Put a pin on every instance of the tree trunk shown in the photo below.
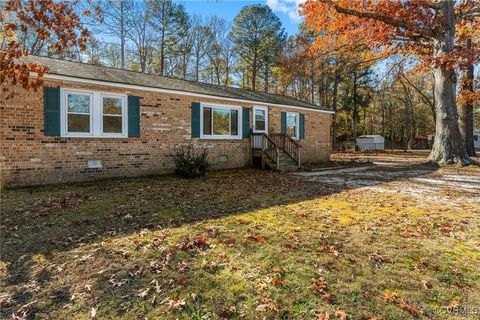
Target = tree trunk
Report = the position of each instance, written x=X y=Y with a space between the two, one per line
x=334 y=109
x=312 y=80
x=197 y=63
x=254 y=73
x=465 y=110
x=448 y=147
x=354 y=109
x=266 y=78
x=122 y=37
x=162 y=42
x=383 y=119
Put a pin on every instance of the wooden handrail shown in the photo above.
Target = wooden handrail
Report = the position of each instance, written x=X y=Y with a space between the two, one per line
x=269 y=148
x=288 y=144
x=271 y=144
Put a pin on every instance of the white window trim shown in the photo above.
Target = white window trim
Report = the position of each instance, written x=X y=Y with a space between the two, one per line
x=221 y=137
x=96 y=114
x=297 y=125
x=255 y=108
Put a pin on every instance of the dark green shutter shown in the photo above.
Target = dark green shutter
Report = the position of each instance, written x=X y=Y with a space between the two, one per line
x=133 y=116
x=246 y=122
x=195 y=120
x=283 y=128
x=301 y=129
x=51 y=100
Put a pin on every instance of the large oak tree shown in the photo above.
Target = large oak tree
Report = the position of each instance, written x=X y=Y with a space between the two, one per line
x=426 y=28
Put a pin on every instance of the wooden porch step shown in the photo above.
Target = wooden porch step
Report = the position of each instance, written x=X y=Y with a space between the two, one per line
x=277 y=152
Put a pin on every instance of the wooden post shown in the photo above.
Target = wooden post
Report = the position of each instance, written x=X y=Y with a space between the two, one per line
x=277 y=165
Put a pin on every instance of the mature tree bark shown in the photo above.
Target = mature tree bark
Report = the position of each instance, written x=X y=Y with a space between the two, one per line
x=465 y=110
x=354 y=108
x=336 y=81
x=448 y=147
x=254 y=70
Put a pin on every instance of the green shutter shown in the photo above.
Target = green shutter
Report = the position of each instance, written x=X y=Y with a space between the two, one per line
x=133 y=116
x=51 y=100
x=301 y=129
x=245 y=122
x=195 y=120
x=283 y=128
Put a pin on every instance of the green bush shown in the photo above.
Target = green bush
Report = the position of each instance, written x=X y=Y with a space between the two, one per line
x=191 y=162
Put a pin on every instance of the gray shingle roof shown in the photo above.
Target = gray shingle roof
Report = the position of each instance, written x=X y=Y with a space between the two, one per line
x=93 y=72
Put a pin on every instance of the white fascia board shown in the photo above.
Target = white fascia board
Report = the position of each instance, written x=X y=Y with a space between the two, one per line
x=176 y=92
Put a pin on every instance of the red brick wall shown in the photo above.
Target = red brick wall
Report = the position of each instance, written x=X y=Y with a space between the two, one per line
x=30 y=158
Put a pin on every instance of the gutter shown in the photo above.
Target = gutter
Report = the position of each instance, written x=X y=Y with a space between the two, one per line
x=169 y=91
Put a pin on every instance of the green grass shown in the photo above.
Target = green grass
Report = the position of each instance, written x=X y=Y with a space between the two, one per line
x=233 y=245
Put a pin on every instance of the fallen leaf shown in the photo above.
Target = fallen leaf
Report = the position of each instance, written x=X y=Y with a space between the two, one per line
x=408 y=307
x=143 y=293
x=257 y=238
x=262 y=307
x=182 y=282
x=328 y=296
x=390 y=296
x=93 y=312
x=342 y=315
x=176 y=304
x=323 y=316
x=157 y=286
x=277 y=281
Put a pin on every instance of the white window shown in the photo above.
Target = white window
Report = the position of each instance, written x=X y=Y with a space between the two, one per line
x=93 y=114
x=293 y=124
x=220 y=122
x=260 y=119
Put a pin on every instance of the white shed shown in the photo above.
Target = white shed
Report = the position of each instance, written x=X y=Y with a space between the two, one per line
x=371 y=142
x=476 y=138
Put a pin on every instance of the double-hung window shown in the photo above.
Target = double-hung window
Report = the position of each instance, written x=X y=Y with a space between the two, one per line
x=293 y=125
x=220 y=122
x=79 y=112
x=260 y=119
x=93 y=114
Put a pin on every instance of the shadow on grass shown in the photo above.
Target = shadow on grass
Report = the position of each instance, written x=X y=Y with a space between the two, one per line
x=37 y=223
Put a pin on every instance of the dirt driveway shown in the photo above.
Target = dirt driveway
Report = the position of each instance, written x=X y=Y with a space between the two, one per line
x=406 y=174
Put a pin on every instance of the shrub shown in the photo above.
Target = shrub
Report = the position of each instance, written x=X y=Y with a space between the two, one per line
x=190 y=162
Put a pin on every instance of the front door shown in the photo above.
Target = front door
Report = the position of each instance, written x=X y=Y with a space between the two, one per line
x=260 y=120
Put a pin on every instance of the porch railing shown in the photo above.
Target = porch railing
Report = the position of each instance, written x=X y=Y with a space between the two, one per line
x=272 y=144
x=290 y=146
x=269 y=149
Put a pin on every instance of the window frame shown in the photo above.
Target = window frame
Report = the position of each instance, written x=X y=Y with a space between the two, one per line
x=221 y=106
x=297 y=124
x=255 y=108
x=96 y=114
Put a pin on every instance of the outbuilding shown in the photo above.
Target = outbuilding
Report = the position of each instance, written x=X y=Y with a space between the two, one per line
x=370 y=142
x=476 y=138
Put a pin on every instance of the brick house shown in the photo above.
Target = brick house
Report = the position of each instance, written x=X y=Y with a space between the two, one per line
x=92 y=122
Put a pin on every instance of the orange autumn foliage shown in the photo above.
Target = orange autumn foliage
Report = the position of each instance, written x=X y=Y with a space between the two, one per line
x=45 y=20
x=406 y=27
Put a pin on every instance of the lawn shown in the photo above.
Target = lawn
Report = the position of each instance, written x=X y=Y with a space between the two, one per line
x=390 y=241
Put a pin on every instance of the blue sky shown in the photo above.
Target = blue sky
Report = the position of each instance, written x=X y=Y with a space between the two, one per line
x=286 y=10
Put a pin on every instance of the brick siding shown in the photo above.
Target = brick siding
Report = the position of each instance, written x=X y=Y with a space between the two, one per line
x=28 y=157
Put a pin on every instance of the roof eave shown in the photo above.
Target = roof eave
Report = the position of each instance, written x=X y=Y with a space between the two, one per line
x=171 y=91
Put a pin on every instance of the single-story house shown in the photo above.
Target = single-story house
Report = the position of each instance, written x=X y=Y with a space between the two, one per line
x=90 y=122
